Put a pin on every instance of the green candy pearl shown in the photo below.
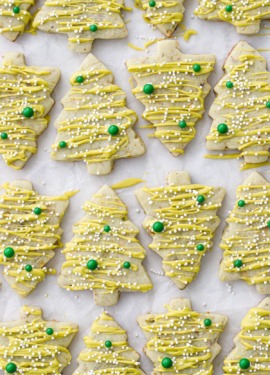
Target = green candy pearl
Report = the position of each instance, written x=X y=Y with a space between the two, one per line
x=200 y=199
x=92 y=264
x=182 y=124
x=4 y=136
x=267 y=104
x=229 y=84
x=126 y=265
x=113 y=130
x=49 y=331
x=200 y=247
x=79 y=79
x=28 y=268
x=93 y=28
x=28 y=112
x=37 y=210
x=197 y=68
x=16 y=10
x=9 y=252
x=148 y=89
x=268 y=224
x=152 y=3
x=238 y=263
x=229 y=8
x=62 y=144
x=222 y=128
x=166 y=362
x=107 y=228
x=207 y=322
x=158 y=227
x=244 y=363
x=108 y=344
x=241 y=203
x=11 y=368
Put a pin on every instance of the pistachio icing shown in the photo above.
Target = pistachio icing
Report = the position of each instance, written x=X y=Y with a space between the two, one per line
x=107 y=350
x=242 y=101
x=252 y=343
x=27 y=345
x=186 y=226
x=31 y=236
x=104 y=254
x=245 y=15
x=178 y=94
x=185 y=337
x=92 y=109
x=246 y=239
x=23 y=87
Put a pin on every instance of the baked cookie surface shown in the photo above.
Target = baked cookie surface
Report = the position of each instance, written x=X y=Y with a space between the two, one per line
x=182 y=341
x=25 y=100
x=181 y=218
x=82 y=21
x=172 y=86
x=241 y=110
x=30 y=231
x=95 y=126
x=245 y=15
x=104 y=255
x=107 y=350
x=246 y=238
x=251 y=352
x=33 y=345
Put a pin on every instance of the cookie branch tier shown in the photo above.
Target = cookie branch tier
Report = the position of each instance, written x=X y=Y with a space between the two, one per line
x=181 y=218
x=245 y=15
x=246 y=239
x=32 y=345
x=82 y=21
x=25 y=100
x=107 y=350
x=172 y=87
x=182 y=341
x=164 y=15
x=29 y=233
x=241 y=110
x=251 y=352
x=104 y=254
x=95 y=125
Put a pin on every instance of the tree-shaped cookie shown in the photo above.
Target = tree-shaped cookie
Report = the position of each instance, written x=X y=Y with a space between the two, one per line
x=172 y=87
x=104 y=254
x=181 y=218
x=246 y=238
x=182 y=341
x=241 y=110
x=107 y=350
x=95 y=125
x=29 y=233
x=82 y=21
x=245 y=15
x=14 y=17
x=251 y=352
x=25 y=100
x=164 y=15
x=32 y=345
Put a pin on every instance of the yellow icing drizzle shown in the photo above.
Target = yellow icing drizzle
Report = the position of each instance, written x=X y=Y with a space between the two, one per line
x=249 y=239
x=15 y=22
x=255 y=341
x=186 y=224
x=161 y=13
x=21 y=87
x=29 y=346
x=178 y=96
x=33 y=238
x=127 y=183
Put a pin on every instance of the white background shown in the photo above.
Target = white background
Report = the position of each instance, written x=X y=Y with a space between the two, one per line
x=49 y=177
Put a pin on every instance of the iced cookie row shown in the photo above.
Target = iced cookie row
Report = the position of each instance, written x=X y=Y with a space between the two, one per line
x=96 y=127
x=180 y=341
x=104 y=255
x=87 y=20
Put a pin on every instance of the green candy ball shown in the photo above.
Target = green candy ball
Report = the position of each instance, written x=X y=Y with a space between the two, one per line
x=229 y=8
x=222 y=128
x=182 y=124
x=37 y=210
x=238 y=263
x=166 y=362
x=108 y=344
x=148 y=89
x=11 y=368
x=62 y=144
x=200 y=199
x=16 y=10
x=200 y=247
x=49 y=331
x=241 y=203
x=126 y=265
x=93 y=28
x=113 y=130
x=9 y=252
x=92 y=264
x=158 y=227
x=79 y=79
x=244 y=363
x=28 y=112
x=197 y=68
x=207 y=322
x=4 y=136
x=28 y=268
